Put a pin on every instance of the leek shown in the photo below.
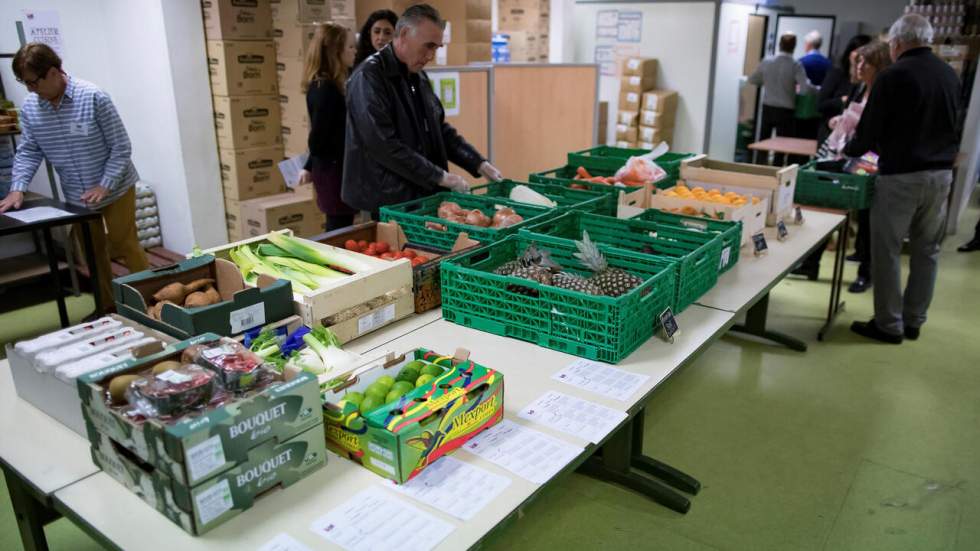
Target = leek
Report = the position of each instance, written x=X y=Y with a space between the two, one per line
x=324 y=257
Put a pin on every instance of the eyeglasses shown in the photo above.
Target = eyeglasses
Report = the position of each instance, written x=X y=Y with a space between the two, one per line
x=31 y=83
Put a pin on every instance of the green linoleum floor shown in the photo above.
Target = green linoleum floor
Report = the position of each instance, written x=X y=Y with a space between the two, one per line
x=850 y=446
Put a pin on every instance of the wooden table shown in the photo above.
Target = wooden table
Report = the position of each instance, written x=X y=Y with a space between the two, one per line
x=786 y=146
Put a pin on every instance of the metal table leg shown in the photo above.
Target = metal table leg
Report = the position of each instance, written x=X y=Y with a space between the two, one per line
x=836 y=306
x=621 y=461
x=31 y=513
x=755 y=325
x=55 y=276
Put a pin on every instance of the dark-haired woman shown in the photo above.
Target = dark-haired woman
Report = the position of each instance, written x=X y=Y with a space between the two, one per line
x=377 y=32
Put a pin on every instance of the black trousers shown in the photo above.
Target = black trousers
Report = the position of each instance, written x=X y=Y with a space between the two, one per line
x=862 y=248
x=779 y=118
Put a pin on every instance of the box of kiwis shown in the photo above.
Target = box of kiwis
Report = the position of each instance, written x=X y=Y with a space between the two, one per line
x=197 y=407
x=397 y=418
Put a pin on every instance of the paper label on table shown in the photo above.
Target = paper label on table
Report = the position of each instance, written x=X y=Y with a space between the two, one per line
x=601 y=378
x=726 y=256
x=376 y=319
x=376 y=519
x=383 y=465
x=284 y=542
x=530 y=454
x=454 y=487
x=572 y=415
x=213 y=502
x=36 y=214
x=243 y=319
x=205 y=457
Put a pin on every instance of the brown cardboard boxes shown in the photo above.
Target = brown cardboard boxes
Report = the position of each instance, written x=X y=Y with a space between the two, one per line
x=527 y=46
x=647 y=134
x=292 y=107
x=247 y=121
x=639 y=67
x=237 y=19
x=629 y=101
x=661 y=101
x=295 y=210
x=289 y=74
x=242 y=67
x=233 y=220
x=467 y=35
x=523 y=15
x=312 y=11
x=637 y=83
x=295 y=137
x=626 y=133
x=292 y=39
x=251 y=173
x=663 y=119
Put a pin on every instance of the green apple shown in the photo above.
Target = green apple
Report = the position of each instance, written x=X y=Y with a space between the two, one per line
x=393 y=396
x=370 y=403
x=431 y=369
x=354 y=397
x=376 y=390
x=424 y=379
x=416 y=365
x=403 y=386
x=408 y=375
x=386 y=380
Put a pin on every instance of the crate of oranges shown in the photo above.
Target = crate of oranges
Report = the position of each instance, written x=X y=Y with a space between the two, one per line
x=717 y=202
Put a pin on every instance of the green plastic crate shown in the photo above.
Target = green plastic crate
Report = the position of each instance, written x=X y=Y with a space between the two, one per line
x=565 y=176
x=698 y=255
x=596 y=327
x=420 y=221
x=566 y=197
x=611 y=158
x=729 y=231
x=833 y=190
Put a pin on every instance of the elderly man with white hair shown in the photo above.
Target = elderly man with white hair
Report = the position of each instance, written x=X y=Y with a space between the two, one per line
x=911 y=121
x=814 y=63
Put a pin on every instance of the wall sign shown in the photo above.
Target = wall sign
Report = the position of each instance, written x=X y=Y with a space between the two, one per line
x=44 y=26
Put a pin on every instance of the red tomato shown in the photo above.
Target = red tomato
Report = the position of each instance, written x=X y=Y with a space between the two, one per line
x=372 y=250
x=382 y=247
x=418 y=260
x=351 y=245
x=408 y=253
x=388 y=256
x=362 y=244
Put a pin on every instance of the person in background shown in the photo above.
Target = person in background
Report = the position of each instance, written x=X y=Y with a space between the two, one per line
x=779 y=77
x=398 y=141
x=329 y=59
x=911 y=121
x=74 y=125
x=814 y=63
x=377 y=32
x=839 y=85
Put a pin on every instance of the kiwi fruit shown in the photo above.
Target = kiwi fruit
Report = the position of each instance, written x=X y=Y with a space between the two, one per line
x=118 y=386
x=165 y=365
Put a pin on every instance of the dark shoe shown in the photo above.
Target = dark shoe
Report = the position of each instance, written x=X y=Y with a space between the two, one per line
x=911 y=333
x=811 y=274
x=973 y=245
x=853 y=258
x=870 y=330
x=860 y=285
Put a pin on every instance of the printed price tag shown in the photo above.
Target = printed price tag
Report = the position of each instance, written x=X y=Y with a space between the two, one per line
x=799 y=216
x=214 y=502
x=759 y=242
x=695 y=225
x=246 y=318
x=781 y=232
x=726 y=257
x=174 y=377
x=205 y=457
x=668 y=325
x=376 y=319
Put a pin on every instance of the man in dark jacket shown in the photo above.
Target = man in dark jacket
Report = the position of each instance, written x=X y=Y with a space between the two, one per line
x=398 y=142
x=911 y=121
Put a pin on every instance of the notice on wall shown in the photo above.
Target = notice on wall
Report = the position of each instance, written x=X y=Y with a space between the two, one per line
x=44 y=26
x=446 y=87
x=629 y=26
x=606 y=24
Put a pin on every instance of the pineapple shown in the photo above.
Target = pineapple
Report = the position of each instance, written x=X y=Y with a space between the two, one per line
x=533 y=273
x=532 y=257
x=507 y=268
x=572 y=282
x=613 y=282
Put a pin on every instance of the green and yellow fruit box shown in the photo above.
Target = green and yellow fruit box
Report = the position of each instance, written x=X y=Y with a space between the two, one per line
x=220 y=497
x=201 y=444
x=451 y=400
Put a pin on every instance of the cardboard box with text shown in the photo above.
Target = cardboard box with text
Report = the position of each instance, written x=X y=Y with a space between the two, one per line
x=247 y=121
x=242 y=67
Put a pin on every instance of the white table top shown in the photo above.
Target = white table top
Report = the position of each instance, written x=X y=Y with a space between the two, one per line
x=753 y=275
x=391 y=332
x=46 y=453
x=123 y=519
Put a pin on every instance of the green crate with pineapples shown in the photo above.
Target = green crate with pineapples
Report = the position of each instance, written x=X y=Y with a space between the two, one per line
x=574 y=297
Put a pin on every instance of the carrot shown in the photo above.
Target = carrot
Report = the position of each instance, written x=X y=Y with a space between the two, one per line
x=582 y=174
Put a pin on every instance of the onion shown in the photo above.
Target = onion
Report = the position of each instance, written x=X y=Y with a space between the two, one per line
x=477 y=218
x=508 y=220
x=448 y=209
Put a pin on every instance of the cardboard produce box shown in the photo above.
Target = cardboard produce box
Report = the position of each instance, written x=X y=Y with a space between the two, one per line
x=752 y=214
x=645 y=67
x=663 y=119
x=652 y=145
x=355 y=305
x=233 y=219
x=193 y=448
x=312 y=11
x=468 y=31
x=629 y=101
x=210 y=503
x=524 y=46
x=294 y=210
x=426 y=285
x=242 y=67
x=628 y=118
x=626 y=144
x=638 y=84
x=292 y=107
x=626 y=133
x=295 y=138
x=241 y=308
x=251 y=173
x=660 y=101
x=778 y=182
x=237 y=19
x=430 y=421
x=247 y=121
x=648 y=134
x=289 y=76
x=528 y=15
x=292 y=39
x=56 y=392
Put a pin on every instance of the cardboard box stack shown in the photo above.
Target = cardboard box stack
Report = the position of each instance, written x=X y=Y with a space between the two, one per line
x=638 y=76
x=527 y=23
x=467 y=36
x=659 y=111
x=245 y=95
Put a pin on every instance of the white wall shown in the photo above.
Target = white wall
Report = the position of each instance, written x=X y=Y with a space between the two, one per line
x=872 y=15
x=679 y=35
x=149 y=56
x=729 y=60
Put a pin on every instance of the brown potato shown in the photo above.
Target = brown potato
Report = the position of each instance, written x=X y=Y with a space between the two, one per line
x=198 y=285
x=174 y=292
x=196 y=299
x=213 y=295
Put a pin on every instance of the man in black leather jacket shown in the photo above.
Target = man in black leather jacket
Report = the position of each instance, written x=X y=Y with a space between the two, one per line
x=398 y=142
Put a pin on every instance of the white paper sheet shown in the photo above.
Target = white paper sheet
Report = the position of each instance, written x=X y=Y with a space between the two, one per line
x=284 y=542
x=291 y=167
x=454 y=487
x=525 y=452
x=601 y=379
x=376 y=520
x=36 y=214
x=572 y=415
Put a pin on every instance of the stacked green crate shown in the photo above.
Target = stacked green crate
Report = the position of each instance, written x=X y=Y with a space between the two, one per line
x=566 y=198
x=834 y=190
x=730 y=232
